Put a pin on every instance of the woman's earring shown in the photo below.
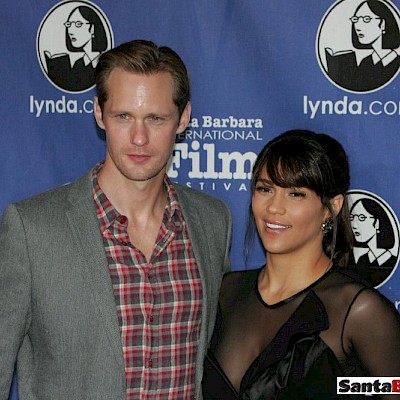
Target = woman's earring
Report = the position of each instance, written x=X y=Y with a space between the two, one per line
x=327 y=226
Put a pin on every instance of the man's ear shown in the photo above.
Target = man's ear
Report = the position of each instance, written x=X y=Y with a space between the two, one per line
x=98 y=114
x=185 y=118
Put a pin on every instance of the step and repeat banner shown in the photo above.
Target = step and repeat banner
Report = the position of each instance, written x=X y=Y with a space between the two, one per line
x=257 y=68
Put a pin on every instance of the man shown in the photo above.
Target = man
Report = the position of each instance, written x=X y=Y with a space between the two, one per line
x=109 y=285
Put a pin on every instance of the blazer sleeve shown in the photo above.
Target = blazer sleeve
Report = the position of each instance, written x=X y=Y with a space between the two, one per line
x=15 y=294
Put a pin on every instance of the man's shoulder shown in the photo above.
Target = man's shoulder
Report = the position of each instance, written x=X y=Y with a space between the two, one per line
x=59 y=194
x=188 y=194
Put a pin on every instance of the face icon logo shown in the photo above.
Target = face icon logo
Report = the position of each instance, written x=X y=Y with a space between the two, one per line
x=376 y=237
x=358 y=44
x=70 y=40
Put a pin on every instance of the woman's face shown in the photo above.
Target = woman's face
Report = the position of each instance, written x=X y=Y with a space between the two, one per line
x=363 y=224
x=288 y=220
x=368 y=32
x=80 y=32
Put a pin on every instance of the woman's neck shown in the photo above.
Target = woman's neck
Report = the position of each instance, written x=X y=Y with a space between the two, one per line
x=285 y=276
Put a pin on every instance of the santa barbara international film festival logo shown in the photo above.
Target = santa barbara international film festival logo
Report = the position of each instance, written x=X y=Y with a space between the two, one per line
x=358 y=44
x=70 y=40
x=376 y=237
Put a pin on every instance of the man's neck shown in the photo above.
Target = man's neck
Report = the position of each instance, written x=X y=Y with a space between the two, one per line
x=134 y=199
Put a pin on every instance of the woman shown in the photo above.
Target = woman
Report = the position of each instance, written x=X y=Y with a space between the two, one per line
x=287 y=330
x=381 y=34
x=374 y=241
x=373 y=28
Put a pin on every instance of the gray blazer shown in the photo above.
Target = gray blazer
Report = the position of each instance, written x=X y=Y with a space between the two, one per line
x=58 y=319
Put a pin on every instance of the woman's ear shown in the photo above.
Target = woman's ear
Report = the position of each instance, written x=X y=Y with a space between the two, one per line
x=382 y=25
x=337 y=203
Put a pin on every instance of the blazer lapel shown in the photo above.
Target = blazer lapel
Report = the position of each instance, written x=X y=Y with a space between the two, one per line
x=197 y=235
x=83 y=221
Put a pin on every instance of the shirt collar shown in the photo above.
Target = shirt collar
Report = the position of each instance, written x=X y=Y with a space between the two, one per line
x=107 y=214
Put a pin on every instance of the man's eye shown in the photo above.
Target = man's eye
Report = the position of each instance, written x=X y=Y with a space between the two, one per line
x=123 y=116
x=155 y=118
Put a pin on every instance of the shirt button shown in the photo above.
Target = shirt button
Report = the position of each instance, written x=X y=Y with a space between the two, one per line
x=124 y=243
x=122 y=219
x=151 y=318
x=150 y=363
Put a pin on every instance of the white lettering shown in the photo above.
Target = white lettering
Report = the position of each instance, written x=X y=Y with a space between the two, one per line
x=195 y=157
x=34 y=104
x=210 y=172
x=240 y=160
x=371 y=109
x=207 y=121
x=194 y=123
x=313 y=107
x=339 y=107
x=390 y=108
x=86 y=108
x=355 y=107
x=231 y=122
x=242 y=163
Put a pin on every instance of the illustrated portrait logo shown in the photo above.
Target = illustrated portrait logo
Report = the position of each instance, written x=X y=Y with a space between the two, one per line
x=376 y=237
x=358 y=44
x=70 y=40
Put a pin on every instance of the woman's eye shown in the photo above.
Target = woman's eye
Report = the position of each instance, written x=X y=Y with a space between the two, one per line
x=297 y=194
x=263 y=189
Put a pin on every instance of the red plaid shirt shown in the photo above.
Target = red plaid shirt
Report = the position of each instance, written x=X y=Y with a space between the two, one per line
x=158 y=301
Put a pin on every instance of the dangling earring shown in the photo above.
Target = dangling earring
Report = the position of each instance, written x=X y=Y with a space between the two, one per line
x=327 y=226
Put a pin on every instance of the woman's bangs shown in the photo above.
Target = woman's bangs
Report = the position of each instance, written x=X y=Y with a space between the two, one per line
x=287 y=171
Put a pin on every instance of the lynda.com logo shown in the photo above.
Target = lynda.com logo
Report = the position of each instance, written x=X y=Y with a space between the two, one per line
x=376 y=237
x=358 y=44
x=70 y=40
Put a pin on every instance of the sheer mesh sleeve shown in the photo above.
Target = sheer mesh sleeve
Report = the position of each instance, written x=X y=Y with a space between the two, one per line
x=372 y=332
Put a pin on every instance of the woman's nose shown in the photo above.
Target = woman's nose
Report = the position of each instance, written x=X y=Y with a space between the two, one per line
x=275 y=204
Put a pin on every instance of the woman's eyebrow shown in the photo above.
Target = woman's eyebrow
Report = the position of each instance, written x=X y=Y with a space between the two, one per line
x=265 y=181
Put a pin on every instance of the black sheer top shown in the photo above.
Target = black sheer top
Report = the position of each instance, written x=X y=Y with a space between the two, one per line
x=296 y=348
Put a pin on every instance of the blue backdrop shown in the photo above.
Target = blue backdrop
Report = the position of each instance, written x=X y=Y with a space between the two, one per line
x=257 y=67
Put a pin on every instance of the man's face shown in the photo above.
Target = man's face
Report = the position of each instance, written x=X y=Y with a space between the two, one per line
x=141 y=121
